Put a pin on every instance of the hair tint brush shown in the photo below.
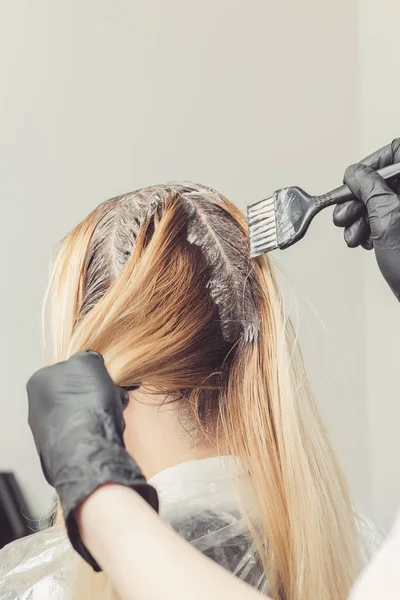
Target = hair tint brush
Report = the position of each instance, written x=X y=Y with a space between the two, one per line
x=283 y=219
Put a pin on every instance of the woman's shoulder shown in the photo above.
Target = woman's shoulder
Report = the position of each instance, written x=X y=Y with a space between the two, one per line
x=34 y=567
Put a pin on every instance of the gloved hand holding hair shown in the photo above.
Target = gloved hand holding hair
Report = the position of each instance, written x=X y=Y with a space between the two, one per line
x=76 y=417
x=75 y=413
x=375 y=221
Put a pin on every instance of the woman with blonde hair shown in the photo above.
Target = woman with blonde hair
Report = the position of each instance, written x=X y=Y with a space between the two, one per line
x=220 y=417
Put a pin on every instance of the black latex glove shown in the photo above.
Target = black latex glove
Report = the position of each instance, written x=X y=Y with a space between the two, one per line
x=75 y=414
x=373 y=220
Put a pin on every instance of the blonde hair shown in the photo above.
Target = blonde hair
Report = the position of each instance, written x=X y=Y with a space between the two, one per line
x=160 y=283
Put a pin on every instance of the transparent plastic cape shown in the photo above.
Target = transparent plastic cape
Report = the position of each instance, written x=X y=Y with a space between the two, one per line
x=196 y=499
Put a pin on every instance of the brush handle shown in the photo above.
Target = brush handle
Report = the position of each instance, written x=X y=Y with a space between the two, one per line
x=343 y=194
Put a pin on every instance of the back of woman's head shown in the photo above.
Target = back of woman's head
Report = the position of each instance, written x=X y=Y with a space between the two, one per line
x=159 y=281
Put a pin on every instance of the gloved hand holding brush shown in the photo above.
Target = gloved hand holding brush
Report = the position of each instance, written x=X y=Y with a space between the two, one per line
x=375 y=221
x=76 y=417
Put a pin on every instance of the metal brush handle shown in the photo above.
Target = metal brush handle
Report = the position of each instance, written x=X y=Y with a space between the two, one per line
x=343 y=194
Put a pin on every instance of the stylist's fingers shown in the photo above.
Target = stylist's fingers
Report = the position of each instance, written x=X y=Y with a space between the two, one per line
x=382 y=203
x=352 y=215
x=124 y=397
x=369 y=187
x=368 y=244
x=347 y=213
x=358 y=233
x=388 y=155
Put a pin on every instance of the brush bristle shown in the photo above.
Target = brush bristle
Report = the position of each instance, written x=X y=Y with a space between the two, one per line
x=262 y=227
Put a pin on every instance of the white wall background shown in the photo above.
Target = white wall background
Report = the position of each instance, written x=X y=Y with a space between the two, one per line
x=380 y=121
x=102 y=97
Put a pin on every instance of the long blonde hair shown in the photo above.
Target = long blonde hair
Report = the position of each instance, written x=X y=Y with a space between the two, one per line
x=159 y=282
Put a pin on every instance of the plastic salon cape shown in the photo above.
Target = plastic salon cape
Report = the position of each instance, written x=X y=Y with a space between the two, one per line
x=196 y=499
